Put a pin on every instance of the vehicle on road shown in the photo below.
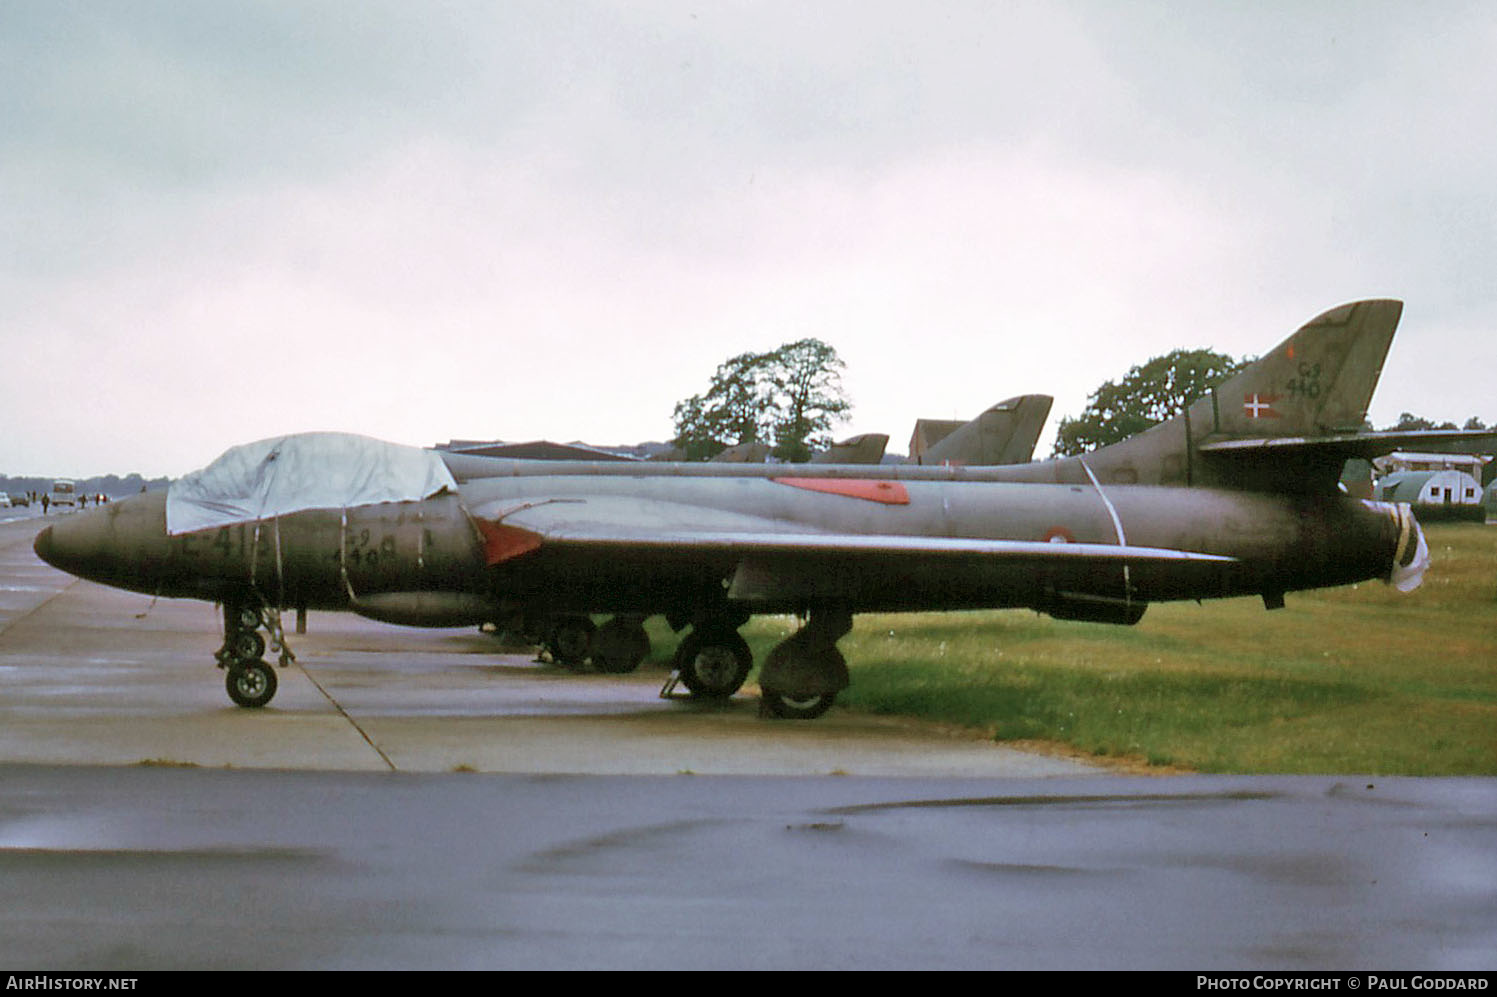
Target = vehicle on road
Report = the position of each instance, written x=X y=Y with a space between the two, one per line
x=64 y=492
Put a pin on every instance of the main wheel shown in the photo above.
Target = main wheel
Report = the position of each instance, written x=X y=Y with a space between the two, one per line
x=571 y=640
x=251 y=684
x=619 y=646
x=798 y=707
x=713 y=665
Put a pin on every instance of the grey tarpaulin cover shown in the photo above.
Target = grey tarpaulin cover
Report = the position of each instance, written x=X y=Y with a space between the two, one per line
x=306 y=471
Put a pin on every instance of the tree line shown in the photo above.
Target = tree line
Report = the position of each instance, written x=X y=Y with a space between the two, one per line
x=790 y=398
x=108 y=484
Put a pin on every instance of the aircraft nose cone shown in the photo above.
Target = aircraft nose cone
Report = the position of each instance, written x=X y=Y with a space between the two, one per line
x=43 y=546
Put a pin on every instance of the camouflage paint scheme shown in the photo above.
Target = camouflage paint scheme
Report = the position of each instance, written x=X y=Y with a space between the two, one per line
x=1238 y=496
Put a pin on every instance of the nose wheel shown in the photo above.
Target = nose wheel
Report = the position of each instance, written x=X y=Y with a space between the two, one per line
x=251 y=684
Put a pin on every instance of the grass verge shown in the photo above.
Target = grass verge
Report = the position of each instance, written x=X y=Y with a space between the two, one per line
x=1361 y=679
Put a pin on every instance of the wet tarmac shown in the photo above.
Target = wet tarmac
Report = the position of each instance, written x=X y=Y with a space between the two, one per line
x=98 y=676
x=412 y=800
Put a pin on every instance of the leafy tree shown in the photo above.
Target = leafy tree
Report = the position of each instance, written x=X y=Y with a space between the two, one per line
x=694 y=435
x=791 y=395
x=736 y=408
x=1149 y=394
x=808 y=390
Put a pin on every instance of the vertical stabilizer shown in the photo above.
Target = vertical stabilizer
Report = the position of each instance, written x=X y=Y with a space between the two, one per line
x=1314 y=384
x=1004 y=434
x=866 y=449
x=1318 y=381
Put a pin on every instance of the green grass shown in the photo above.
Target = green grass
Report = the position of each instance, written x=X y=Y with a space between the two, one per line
x=1361 y=679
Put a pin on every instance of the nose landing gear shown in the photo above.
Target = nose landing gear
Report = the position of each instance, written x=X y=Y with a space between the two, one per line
x=250 y=684
x=250 y=680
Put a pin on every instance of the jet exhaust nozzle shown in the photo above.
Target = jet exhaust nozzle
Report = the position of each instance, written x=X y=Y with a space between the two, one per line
x=1411 y=556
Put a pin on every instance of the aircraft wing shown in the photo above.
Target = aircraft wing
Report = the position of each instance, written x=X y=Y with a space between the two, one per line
x=634 y=524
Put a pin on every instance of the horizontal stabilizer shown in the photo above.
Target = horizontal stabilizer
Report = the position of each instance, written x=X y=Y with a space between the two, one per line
x=1366 y=446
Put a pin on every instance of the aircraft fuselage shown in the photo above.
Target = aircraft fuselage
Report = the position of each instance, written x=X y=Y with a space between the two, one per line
x=427 y=563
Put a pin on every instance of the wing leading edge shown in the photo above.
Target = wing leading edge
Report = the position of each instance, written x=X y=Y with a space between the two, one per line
x=672 y=527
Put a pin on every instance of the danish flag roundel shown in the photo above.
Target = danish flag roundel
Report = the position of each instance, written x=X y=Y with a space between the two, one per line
x=1260 y=406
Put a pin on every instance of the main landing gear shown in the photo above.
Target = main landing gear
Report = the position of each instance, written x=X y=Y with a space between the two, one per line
x=801 y=675
x=620 y=645
x=250 y=680
x=804 y=672
x=712 y=661
x=615 y=648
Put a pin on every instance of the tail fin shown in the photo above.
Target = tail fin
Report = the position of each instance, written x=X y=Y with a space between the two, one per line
x=1318 y=381
x=1265 y=428
x=866 y=449
x=1004 y=434
x=743 y=453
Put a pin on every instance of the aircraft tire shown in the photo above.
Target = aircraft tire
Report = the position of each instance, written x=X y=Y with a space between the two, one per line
x=571 y=640
x=713 y=665
x=246 y=645
x=797 y=707
x=251 y=684
x=619 y=646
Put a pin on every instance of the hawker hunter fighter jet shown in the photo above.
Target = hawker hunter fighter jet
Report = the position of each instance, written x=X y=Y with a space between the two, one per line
x=1004 y=434
x=1237 y=496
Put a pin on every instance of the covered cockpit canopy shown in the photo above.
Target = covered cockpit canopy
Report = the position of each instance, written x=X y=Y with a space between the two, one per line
x=289 y=474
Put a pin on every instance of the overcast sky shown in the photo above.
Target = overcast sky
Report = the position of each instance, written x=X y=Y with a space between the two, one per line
x=419 y=220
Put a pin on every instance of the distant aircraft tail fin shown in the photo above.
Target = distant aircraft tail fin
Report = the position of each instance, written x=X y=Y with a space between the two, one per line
x=866 y=449
x=743 y=453
x=1004 y=434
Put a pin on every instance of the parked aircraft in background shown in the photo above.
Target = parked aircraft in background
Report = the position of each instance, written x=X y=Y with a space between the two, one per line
x=1237 y=496
x=1004 y=434
x=866 y=449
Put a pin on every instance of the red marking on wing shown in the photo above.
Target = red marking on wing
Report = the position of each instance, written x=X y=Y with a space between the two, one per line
x=1059 y=534
x=501 y=543
x=887 y=492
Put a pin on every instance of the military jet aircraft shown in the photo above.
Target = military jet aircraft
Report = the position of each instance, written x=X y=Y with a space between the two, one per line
x=865 y=449
x=1237 y=496
x=1004 y=434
